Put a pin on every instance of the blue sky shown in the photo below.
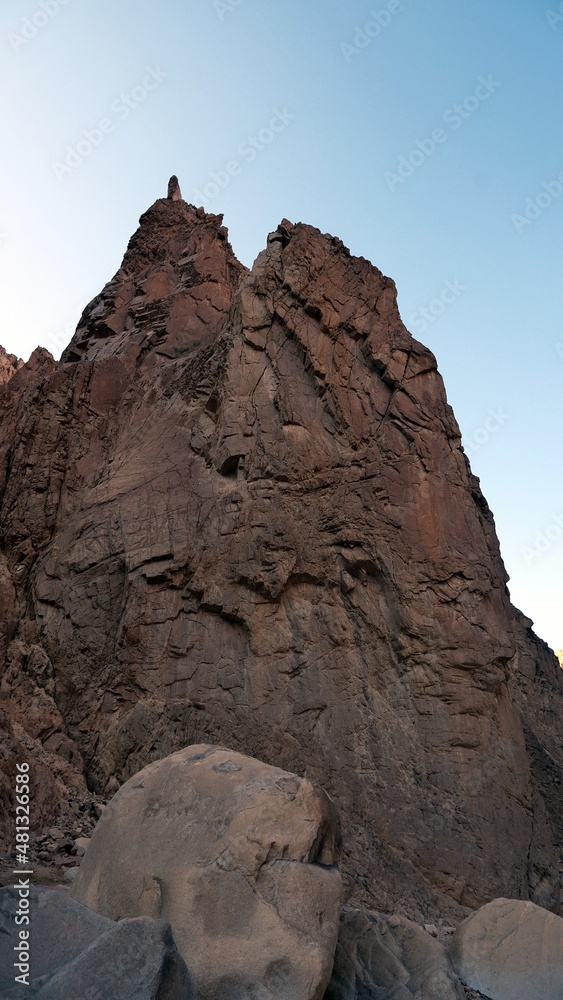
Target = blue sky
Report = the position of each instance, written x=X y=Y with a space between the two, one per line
x=426 y=136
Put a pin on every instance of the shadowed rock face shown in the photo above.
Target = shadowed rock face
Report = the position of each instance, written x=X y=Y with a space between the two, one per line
x=240 y=513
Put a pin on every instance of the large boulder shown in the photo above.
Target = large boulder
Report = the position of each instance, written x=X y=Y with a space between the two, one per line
x=389 y=958
x=511 y=950
x=239 y=856
x=75 y=953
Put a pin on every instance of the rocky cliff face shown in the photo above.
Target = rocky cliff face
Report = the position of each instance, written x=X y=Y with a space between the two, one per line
x=9 y=365
x=238 y=511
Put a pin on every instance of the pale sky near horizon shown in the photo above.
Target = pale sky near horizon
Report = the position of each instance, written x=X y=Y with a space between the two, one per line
x=426 y=136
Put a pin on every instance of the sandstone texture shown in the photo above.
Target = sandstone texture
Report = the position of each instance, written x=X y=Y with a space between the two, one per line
x=511 y=950
x=75 y=953
x=241 y=859
x=238 y=511
x=389 y=958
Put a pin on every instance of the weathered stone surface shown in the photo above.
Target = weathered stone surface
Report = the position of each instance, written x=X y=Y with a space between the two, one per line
x=9 y=365
x=389 y=958
x=239 y=856
x=77 y=953
x=171 y=295
x=240 y=512
x=174 y=192
x=511 y=950
x=135 y=960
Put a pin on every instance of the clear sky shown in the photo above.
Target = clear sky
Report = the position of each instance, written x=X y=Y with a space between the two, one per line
x=427 y=136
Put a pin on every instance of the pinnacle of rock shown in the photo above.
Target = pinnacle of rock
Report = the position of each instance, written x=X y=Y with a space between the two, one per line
x=174 y=192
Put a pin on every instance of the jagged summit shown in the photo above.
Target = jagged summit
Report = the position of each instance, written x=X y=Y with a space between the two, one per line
x=171 y=294
x=9 y=365
x=247 y=519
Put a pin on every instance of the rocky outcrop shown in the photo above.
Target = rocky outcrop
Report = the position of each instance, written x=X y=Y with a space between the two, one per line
x=511 y=950
x=73 y=952
x=389 y=958
x=9 y=365
x=240 y=858
x=171 y=295
x=238 y=511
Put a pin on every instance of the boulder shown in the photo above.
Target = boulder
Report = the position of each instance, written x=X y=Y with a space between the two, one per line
x=241 y=859
x=389 y=958
x=511 y=950
x=75 y=952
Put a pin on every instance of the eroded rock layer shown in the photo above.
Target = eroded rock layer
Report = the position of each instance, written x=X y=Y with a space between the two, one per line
x=238 y=511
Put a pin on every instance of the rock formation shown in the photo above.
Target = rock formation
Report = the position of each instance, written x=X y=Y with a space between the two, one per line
x=174 y=192
x=390 y=958
x=74 y=953
x=238 y=511
x=510 y=950
x=9 y=365
x=241 y=858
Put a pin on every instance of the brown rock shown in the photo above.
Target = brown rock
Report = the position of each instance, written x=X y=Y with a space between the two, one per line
x=240 y=858
x=82 y=844
x=9 y=365
x=174 y=192
x=244 y=515
x=171 y=296
x=511 y=950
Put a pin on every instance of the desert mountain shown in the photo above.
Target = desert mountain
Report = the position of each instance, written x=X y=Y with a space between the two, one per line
x=238 y=511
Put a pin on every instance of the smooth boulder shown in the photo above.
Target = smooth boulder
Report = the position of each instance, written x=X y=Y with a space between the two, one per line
x=511 y=950
x=240 y=857
x=389 y=958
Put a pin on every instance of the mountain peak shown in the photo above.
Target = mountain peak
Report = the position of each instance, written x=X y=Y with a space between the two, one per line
x=171 y=294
